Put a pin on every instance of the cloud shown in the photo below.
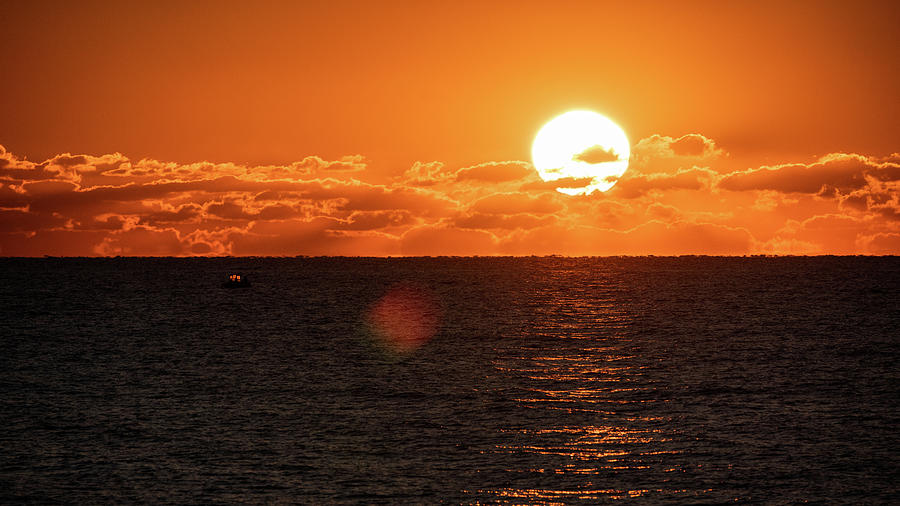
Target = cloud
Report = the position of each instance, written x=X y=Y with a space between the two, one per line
x=663 y=212
x=565 y=182
x=879 y=198
x=501 y=221
x=314 y=165
x=228 y=210
x=677 y=200
x=516 y=203
x=661 y=153
x=495 y=172
x=882 y=243
x=596 y=154
x=632 y=186
x=380 y=198
x=142 y=241
x=378 y=220
x=692 y=145
x=425 y=174
x=48 y=188
x=14 y=170
x=841 y=173
x=831 y=233
x=17 y=220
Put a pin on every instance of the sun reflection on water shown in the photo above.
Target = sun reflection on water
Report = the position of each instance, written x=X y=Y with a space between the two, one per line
x=547 y=496
x=592 y=417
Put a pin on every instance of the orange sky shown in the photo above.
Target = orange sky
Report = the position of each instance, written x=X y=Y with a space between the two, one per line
x=387 y=128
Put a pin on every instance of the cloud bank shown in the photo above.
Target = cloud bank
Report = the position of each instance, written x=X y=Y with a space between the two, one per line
x=677 y=197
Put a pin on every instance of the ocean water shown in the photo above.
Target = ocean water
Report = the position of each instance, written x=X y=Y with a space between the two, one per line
x=695 y=380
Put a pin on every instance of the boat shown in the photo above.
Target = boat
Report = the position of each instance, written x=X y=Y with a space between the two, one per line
x=236 y=281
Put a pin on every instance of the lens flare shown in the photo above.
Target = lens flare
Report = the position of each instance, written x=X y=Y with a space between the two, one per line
x=405 y=318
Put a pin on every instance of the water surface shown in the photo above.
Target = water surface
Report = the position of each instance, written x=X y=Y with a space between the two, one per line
x=547 y=381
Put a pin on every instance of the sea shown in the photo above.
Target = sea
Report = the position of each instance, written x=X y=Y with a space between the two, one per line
x=538 y=380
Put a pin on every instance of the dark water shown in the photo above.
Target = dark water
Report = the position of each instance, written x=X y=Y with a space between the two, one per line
x=549 y=380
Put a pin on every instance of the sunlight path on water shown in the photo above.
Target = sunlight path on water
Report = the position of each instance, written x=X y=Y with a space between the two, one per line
x=589 y=411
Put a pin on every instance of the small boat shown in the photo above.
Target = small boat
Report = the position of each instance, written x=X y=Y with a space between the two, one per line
x=236 y=281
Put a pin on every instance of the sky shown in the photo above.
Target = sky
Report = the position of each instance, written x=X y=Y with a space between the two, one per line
x=405 y=128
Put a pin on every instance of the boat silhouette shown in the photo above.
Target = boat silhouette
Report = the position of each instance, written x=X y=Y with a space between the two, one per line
x=236 y=281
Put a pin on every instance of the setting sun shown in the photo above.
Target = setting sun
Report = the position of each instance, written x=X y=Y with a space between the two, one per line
x=581 y=145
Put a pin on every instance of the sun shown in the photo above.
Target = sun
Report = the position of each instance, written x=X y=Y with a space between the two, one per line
x=584 y=146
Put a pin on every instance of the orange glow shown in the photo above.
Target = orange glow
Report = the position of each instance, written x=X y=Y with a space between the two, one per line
x=175 y=129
